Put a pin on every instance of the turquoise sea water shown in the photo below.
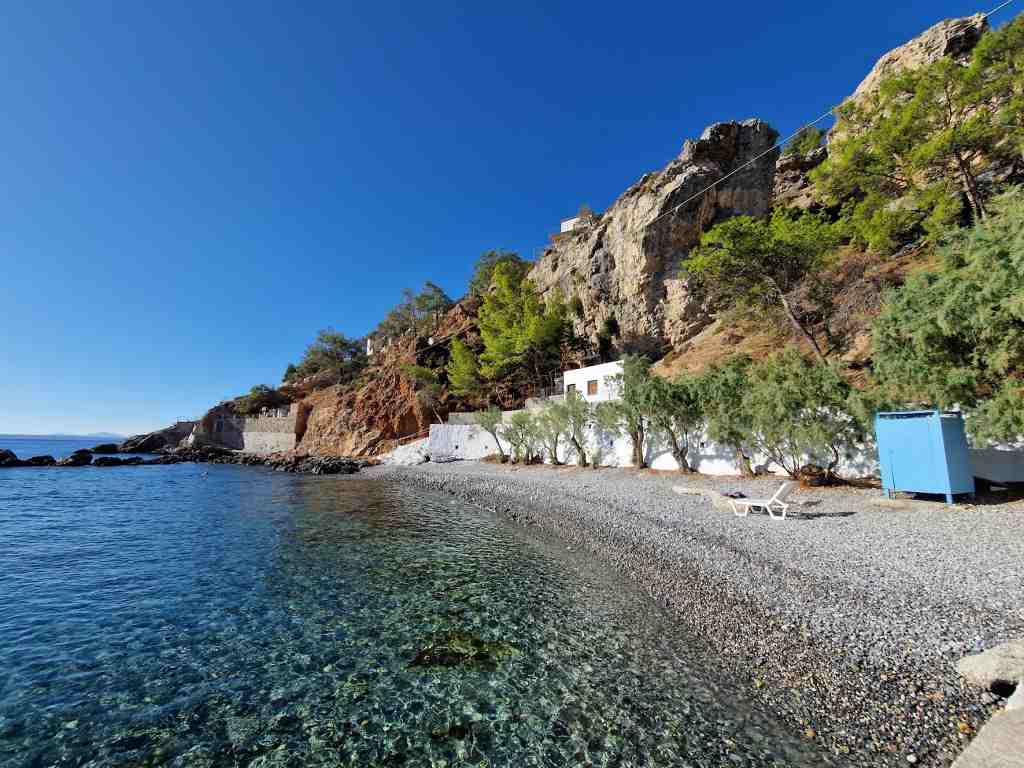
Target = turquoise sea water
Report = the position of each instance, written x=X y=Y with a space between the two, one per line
x=242 y=617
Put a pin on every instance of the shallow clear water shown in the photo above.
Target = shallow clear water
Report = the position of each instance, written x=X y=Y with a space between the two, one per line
x=154 y=616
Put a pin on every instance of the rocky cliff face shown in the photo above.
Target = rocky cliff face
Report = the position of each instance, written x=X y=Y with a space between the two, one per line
x=955 y=38
x=367 y=420
x=793 y=186
x=625 y=264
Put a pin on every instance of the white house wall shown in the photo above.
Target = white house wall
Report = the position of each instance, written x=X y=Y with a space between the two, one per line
x=603 y=374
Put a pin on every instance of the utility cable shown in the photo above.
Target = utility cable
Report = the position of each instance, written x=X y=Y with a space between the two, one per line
x=779 y=144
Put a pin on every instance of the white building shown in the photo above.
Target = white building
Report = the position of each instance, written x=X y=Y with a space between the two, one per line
x=596 y=383
x=568 y=225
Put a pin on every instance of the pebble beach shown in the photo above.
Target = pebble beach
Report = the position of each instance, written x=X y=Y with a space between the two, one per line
x=845 y=620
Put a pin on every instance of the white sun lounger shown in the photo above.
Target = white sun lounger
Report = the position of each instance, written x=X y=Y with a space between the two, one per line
x=776 y=506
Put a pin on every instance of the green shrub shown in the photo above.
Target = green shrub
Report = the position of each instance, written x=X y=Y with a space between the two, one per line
x=261 y=396
x=806 y=140
x=956 y=336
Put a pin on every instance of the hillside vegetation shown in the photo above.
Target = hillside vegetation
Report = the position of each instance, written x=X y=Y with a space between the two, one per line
x=897 y=280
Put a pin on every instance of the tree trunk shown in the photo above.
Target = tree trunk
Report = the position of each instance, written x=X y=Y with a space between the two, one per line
x=679 y=453
x=799 y=328
x=684 y=465
x=581 y=455
x=637 y=436
x=831 y=471
x=971 y=187
x=497 y=442
x=743 y=463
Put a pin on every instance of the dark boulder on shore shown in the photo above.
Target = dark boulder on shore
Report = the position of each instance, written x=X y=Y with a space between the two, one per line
x=106 y=448
x=150 y=443
x=207 y=454
x=80 y=458
x=310 y=465
x=114 y=461
x=315 y=465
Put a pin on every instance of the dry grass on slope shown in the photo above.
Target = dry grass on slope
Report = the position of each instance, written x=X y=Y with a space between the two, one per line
x=859 y=282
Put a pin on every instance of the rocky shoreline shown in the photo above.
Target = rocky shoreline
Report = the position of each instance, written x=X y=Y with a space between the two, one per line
x=846 y=621
x=282 y=462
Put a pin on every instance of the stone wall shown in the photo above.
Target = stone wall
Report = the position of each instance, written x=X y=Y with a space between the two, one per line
x=270 y=432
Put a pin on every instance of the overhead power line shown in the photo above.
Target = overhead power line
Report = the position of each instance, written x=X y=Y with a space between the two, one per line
x=997 y=8
x=777 y=145
x=734 y=171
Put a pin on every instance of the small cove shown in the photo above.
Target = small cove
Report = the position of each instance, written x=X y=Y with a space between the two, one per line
x=156 y=616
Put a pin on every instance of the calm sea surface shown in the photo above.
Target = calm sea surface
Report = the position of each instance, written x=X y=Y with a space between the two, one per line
x=27 y=446
x=205 y=615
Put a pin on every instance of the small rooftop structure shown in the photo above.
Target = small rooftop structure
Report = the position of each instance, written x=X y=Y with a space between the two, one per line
x=923 y=452
x=568 y=225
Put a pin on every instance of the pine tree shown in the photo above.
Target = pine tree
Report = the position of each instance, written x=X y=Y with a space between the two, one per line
x=956 y=336
x=752 y=265
x=463 y=370
x=908 y=154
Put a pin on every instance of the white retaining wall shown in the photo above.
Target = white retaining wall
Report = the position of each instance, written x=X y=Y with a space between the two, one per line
x=461 y=441
x=470 y=442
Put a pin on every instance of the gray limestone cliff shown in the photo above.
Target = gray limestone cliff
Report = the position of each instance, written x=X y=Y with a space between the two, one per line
x=625 y=263
x=954 y=38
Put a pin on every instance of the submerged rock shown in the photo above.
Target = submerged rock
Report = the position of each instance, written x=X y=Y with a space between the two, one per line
x=462 y=649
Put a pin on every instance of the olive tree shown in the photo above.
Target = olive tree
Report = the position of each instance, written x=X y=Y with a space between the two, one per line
x=578 y=418
x=675 y=410
x=521 y=432
x=631 y=406
x=799 y=411
x=490 y=421
x=721 y=388
x=552 y=423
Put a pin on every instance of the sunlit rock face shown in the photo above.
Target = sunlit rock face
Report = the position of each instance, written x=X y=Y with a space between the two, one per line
x=626 y=263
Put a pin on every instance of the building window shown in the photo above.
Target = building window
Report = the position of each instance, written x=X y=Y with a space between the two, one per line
x=592 y=387
x=570 y=390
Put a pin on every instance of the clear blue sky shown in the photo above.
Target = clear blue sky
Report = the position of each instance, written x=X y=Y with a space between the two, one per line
x=190 y=190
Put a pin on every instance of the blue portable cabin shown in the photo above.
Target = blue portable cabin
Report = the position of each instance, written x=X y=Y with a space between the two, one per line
x=923 y=452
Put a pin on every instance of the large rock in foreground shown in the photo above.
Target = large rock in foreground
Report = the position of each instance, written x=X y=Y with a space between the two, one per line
x=999 y=666
x=625 y=264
